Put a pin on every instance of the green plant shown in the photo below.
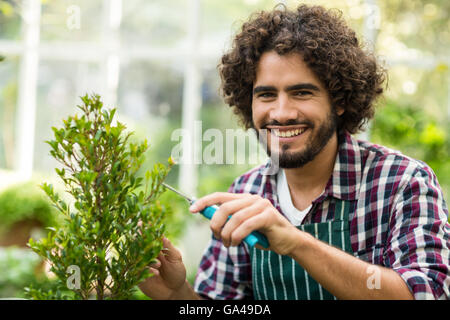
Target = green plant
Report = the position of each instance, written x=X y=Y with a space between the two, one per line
x=18 y=267
x=114 y=228
x=22 y=202
x=416 y=133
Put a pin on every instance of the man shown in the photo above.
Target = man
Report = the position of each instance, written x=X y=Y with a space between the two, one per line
x=345 y=219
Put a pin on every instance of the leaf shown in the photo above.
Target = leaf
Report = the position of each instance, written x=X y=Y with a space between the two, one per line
x=98 y=135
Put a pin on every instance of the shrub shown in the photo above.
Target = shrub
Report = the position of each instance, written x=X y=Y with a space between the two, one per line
x=22 y=202
x=113 y=229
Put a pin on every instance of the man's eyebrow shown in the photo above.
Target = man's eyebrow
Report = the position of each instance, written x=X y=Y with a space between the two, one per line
x=263 y=89
x=303 y=86
x=299 y=86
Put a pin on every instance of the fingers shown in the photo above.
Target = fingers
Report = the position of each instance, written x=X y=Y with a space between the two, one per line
x=169 y=253
x=231 y=222
x=225 y=211
x=156 y=264
x=234 y=219
x=154 y=271
x=230 y=235
x=256 y=222
x=213 y=198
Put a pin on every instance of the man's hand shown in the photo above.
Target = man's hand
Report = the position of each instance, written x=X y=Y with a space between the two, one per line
x=169 y=279
x=248 y=212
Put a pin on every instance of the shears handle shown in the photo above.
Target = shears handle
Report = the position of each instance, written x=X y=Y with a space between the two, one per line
x=253 y=238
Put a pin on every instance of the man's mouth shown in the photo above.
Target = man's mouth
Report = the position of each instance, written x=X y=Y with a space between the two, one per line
x=287 y=132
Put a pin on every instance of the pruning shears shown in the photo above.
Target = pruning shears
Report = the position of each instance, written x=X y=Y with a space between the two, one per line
x=253 y=238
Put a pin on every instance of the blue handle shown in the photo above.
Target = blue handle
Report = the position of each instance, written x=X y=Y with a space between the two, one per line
x=252 y=239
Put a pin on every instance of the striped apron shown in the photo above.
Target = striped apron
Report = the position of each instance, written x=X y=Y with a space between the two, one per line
x=278 y=277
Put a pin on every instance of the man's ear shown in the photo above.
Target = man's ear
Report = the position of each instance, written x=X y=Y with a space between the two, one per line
x=340 y=111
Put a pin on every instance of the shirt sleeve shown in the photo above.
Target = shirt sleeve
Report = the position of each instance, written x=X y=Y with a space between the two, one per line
x=224 y=273
x=418 y=243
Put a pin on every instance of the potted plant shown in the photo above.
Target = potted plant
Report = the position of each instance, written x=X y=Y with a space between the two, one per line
x=114 y=227
x=23 y=211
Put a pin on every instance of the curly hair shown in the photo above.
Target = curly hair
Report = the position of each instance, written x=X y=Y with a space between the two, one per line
x=351 y=76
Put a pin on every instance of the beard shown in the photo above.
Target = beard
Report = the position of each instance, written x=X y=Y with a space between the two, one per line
x=317 y=141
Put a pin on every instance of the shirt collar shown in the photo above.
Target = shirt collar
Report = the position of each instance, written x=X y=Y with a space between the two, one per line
x=345 y=180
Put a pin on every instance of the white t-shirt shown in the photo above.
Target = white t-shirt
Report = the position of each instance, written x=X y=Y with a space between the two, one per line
x=294 y=215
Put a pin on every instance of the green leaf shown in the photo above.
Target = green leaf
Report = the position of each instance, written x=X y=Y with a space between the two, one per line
x=98 y=135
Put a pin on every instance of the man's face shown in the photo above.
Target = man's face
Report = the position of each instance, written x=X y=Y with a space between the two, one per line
x=291 y=103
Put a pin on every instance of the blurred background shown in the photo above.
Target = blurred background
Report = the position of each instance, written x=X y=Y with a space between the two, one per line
x=156 y=62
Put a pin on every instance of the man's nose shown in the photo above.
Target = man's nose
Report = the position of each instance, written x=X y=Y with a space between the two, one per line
x=283 y=110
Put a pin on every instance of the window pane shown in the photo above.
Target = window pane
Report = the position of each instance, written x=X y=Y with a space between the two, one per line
x=149 y=102
x=221 y=19
x=10 y=20
x=154 y=23
x=60 y=84
x=8 y=100
x=229 y=151
x=80 y=20
x=151 y=88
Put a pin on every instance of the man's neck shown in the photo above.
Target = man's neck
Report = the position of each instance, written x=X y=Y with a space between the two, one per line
x=309 y=181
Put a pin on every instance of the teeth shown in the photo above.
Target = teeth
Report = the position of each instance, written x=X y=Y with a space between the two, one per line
x=289 y=133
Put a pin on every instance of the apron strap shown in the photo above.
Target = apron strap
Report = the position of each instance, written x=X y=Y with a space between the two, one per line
x=280 y=277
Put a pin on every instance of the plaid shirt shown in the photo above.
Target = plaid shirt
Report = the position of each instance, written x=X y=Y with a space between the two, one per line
x=398 y=219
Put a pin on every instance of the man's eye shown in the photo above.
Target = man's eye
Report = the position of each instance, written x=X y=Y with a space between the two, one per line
x=302 y=93
x=266 y=95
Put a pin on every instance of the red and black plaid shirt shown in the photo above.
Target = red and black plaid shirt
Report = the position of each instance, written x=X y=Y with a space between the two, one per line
x=398 y=219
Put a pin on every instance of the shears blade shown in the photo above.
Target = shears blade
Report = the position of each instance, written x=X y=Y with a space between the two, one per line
x=189 y=199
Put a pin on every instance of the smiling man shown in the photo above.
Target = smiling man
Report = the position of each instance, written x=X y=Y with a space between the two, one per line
x=345 y=218
x=295 y=108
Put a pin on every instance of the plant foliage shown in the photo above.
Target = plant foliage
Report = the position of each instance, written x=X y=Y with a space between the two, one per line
x=113 y=229
x=22 y=202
